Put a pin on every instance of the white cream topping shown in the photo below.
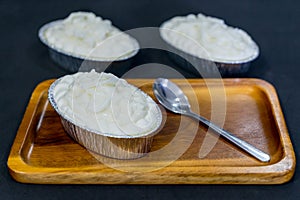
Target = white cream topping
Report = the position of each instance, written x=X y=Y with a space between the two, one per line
x=104 y=103
x=209 y=38
x=84 y=34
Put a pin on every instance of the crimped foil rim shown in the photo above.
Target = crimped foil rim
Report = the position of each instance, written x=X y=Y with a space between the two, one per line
x=217 y=60
x=146 y=134
x=53 y=23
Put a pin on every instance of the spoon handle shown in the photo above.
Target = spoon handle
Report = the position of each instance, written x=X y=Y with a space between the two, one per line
x=235 y=140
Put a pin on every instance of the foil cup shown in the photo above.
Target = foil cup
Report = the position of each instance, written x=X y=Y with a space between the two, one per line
x=106 y=144
x=200 y=66
x=74 y=63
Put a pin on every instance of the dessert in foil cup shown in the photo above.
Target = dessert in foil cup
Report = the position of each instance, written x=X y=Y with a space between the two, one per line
x=105 y=131
x=84 y=40
x=206 y=45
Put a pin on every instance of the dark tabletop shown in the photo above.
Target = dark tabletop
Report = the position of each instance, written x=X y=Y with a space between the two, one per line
x=25 y=62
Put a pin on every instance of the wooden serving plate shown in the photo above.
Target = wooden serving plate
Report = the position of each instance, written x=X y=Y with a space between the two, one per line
x=43 y=153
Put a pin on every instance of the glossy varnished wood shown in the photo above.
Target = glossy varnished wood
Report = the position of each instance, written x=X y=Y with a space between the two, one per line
x=43 y=153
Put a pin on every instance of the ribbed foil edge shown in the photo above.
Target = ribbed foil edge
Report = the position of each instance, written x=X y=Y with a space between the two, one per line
x=119 y=148
x=203 y=67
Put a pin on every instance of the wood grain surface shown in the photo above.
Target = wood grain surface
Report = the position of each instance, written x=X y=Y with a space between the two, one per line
x=43 y=153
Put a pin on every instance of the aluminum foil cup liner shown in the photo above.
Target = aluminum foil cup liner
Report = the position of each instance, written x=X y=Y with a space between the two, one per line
x=119 y=148
x=105 y=144
x=73 y=63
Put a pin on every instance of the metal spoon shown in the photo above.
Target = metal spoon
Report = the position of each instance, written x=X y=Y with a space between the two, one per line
x=172 y=98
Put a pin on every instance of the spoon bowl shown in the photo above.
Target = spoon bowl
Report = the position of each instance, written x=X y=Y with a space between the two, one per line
x=170 y=96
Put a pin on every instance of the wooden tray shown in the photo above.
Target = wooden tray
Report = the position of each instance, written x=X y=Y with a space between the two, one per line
x=43 y=153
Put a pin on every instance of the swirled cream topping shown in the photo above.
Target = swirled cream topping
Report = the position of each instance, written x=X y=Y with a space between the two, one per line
x=208 y=38
x=84 y=34
x=104 y=103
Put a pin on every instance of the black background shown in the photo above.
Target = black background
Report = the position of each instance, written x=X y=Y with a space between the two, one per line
x=24 y=63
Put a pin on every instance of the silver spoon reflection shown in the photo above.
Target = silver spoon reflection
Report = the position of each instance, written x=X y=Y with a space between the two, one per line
x=172 y=97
